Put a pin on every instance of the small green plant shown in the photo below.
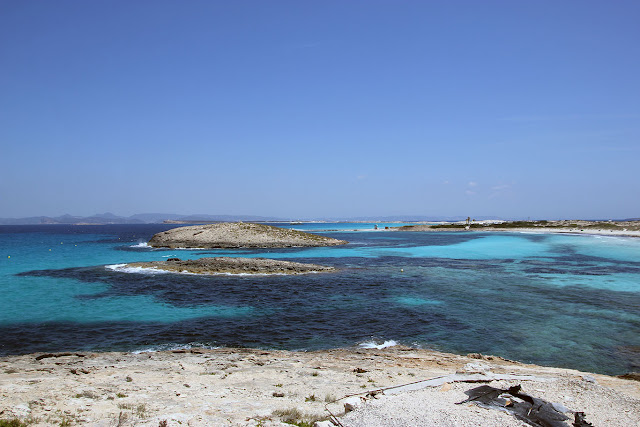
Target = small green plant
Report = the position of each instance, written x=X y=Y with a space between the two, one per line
x=121 y=395
x=12 y=423
x=128 y=379
x=141 y=410
x=311 y=398
x=87 y=394
x=278 y=385
x=315 y=374
x=295 y=417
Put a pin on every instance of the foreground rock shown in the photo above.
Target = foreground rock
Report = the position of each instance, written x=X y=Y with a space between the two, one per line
x=233 y=266
x=238 y=235
x=244 y=387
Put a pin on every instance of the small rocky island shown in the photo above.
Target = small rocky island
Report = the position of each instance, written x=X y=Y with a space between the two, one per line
x=227 y=265
x=238 y=235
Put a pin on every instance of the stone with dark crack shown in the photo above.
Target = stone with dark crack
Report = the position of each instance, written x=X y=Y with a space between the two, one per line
x=238 y=235
x=227 y=265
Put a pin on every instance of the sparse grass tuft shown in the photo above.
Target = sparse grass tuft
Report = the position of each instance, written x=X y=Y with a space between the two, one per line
x=311 y=398
x=12 y=423
x=87 y=394
x=140 y=410
x=295 y=417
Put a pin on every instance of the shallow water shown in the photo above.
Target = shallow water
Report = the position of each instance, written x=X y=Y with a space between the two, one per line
x=561 y=300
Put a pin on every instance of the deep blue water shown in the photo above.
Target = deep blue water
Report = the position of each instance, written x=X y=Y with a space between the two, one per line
x=561 y=300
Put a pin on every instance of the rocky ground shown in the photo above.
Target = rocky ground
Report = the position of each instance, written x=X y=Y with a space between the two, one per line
x=238 y=235
x=227 y=265
x=243 y=387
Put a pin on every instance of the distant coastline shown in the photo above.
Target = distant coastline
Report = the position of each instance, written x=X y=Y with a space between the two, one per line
x=600 y=228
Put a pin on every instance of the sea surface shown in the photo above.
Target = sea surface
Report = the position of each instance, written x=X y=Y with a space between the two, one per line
x=557 y=300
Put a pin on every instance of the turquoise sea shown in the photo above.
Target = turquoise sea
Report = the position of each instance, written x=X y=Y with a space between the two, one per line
x=561 y=300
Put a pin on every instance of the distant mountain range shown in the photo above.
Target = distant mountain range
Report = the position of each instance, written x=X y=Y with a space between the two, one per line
x=146 y=218
x=157 y=218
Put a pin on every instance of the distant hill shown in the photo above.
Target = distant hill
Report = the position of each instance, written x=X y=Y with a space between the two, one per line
x=227 y=218
x=107 y=218
x=145 y=218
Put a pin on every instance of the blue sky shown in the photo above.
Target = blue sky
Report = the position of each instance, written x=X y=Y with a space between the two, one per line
x=320 y=108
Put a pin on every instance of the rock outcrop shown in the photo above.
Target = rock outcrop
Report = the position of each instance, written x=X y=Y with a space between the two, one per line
x=233 y=266
x=238 y=235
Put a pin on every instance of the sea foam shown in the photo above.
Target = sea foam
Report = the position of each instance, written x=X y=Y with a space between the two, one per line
x=173 y=347
x=125 y=268
x=140 y=245
x=373 y=344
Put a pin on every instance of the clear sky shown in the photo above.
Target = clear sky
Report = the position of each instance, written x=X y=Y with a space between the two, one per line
x=320 y=108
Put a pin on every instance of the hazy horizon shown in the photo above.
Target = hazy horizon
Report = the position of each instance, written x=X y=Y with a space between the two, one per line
x=320 y=109
x=150 y=217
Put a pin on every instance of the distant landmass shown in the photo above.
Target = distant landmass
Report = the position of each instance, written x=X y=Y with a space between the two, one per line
x=172 y=218
x=145 y=218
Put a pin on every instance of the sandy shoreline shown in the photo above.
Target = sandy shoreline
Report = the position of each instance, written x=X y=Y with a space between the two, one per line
x=247 y=387
x=609 y=233
x=540 y=230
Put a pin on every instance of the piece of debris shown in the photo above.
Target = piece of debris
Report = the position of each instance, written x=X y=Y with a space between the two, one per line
x=351 y=403
x=580 y=421
x=47 y=355
x=533 y=411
